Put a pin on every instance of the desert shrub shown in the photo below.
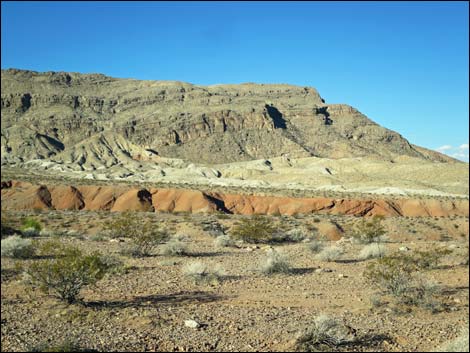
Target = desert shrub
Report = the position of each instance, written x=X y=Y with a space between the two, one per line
x=422 y=293
x=367 y=232
x=295 y=235
x=330 y=254
x=459 y=344
x=390 y=274
x=324 y=334
x=214 y=228
x=17 y=247
x=316 y=245
x=257 y=229
x=223 y=241
x=112 y=263
x=203 y=273
x=145 y=239
x=122 y=226
x=64 y=276
x=174 y=247
x=98 y=237
x=65 y=346
x=30 y=222
x=398 y=276
x=46 y=233
x=275 y=262
x=372 y=251
x=29 y=232
x=429 y=259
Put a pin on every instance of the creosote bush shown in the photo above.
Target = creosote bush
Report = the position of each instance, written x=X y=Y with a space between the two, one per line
x=145 y=240
x=65 y=275
x=17 y=247
x=371 y=231
x=275 y=262
x=399 y=277
x=257 y=229
x=324 y=334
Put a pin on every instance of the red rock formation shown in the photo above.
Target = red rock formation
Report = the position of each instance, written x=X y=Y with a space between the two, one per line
x=22 y=195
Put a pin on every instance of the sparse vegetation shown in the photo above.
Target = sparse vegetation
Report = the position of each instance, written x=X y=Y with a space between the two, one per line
x=223 y=241
x=399 y=277
x=17 y=247
x=459 y=344
x=65 y=275
x=174 y=247
x=372 y=231
x=203 y=273
x=329 y=254
x=316 y=245
x=145 y=239
x=324 y=334
x=257 y=229
x=372 y=251
x=31 y=223
x=275 y=262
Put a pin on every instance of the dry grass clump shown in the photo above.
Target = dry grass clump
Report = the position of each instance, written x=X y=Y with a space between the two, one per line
x=324 y=334
x=275 y=262
x=174 y=247
x=16 y=247
x=372 y=251
x=199 y=272
x=330 y=254
x=460 y=344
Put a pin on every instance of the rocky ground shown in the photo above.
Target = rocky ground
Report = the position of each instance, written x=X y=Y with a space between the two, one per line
x=145 y=308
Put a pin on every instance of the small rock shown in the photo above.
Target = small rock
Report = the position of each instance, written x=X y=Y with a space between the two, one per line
x=404 y=248
x=192 y=324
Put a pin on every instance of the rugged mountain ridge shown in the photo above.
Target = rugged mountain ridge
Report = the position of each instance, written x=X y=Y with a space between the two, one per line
x=54 y=115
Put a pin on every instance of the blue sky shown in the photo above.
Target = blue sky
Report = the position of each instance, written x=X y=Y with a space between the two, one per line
x=403 y=64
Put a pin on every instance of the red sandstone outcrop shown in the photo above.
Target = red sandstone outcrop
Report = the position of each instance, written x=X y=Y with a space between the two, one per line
x=23 y=195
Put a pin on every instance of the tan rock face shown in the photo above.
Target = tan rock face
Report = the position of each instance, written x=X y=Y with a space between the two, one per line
x=20 y=195
x=47 y=115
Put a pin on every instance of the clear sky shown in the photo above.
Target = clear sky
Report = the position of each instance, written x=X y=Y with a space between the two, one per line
x=403 y=64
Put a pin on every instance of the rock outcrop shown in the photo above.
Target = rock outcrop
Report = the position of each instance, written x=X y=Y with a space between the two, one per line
x=63 y=116
x=22 y=195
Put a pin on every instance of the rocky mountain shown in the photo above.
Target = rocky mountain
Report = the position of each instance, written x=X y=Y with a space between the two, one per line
x=95 y=121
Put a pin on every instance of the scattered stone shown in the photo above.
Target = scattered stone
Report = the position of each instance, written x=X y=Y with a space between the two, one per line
x=192 y=324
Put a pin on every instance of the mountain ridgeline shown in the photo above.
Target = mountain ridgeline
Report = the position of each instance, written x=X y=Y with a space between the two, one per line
x=59 y=115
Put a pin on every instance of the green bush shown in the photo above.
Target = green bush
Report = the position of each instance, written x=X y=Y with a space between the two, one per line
x=257 y=229
x=145 y=240
x=125 y=225
x=391 y=274
x=398 y=276
x=64 y=276
x=31 y=223
x=429 y=259
x=367 y=232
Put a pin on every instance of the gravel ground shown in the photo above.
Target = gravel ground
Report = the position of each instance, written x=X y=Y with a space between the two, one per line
x=145 y=308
